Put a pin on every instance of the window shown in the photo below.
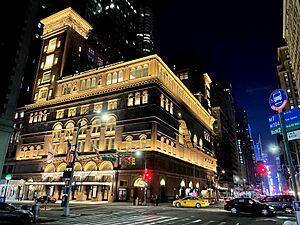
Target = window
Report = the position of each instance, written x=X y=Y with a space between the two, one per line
x=145 y=97
x=69 y=131
x=115 y=78
x=139 y=72
x=46 y=76
x=112 y=104
x=56 y=132
x=171 y=107
x=82 y=86
x=98 y=107
x=132 y=73
x=100 y=82
x=180 y=135
x=96 y=127
x=121 y=76
x=49 y=61
x=128 y=140
x=52 y=45
x=88 y=84
x=167 y=104
x=84 y=110
x=72 y=112
x=111 y=124
x=143 y=141
x=108 y=79
x=109 y=143
x=137 y=98
x=162 y=103
x=145 y=72
x=60 y=114
x=130 y=100
x=93 y=82
x=43 y=94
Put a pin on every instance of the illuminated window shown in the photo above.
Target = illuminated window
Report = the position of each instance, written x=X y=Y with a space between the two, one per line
x=115 y=78
x=96 y=127
x=195 y=139
x=139 y=72
x=69 y=131
x=84 y=110
x=130 y=100
x=82 y=86
x=137 y=98
x=100 y=82
x=132 y=73
x=93 y=82
x=98 y=107
x=52 y=45
x=60 y=114
x=145 y=97
x=49 y=61
x=110 y=125
x=72 y=112
x=145 y=72
x=43 y=93
x=167 y=104
x=171 y=107
x=121 y=76
x=112 y=104
x=88 y=84
x=56 y=132
x=108 y=79
x=162 y=102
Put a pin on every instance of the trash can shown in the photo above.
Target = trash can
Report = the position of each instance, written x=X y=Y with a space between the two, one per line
x=35 y=211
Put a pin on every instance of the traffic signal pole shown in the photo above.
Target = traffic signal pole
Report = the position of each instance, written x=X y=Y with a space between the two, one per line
x=288 y=155
x=146 y=184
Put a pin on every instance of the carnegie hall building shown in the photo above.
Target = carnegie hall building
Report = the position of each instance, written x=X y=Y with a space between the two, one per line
x=138 y=108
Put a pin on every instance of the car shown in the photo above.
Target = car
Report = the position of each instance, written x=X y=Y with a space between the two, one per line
x=11 y=214
x=280 y=202
x=190 y=201
x=248 y=205
x=46 y=199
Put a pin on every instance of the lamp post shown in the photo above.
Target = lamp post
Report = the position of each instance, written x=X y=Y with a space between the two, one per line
x=74 y=152
x=7 y=178
x=217 y=184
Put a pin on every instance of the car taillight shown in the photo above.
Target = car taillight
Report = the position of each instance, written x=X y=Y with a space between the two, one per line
x=225 y=203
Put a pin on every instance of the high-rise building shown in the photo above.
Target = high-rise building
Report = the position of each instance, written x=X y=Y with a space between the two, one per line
x=14 y=56
x=109 y=113
x=291 y=34
x=225 y=129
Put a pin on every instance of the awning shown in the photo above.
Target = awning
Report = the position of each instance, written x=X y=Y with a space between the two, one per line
x=64 y=183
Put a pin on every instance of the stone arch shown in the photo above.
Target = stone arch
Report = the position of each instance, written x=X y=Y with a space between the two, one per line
x=57 y=126
x=61 y=167
x=90 y=166
x=106 y=166
x=49 y=168
x=139 y=182
x=69 y=124
x=82 y=121
x=77 y=166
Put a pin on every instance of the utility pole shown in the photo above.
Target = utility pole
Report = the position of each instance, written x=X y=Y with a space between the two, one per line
x=146 y=184
x=74 y=152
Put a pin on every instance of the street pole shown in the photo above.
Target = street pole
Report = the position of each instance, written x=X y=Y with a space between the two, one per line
x=67 y=208
x=5 y=190
x=117 y=176
x=288 y=155
x=146 y=184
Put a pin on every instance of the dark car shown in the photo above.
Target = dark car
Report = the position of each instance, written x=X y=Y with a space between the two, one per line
x=11 y=214
x=46 y=199
x=248 y=205
x=280 y=202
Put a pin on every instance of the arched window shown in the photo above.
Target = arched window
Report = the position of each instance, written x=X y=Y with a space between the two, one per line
x=145 y=72
x=115 y=78
x=88 y=84
x=200 y=142
x=132 y=73
x=162 y=103
x=64 y=90
x=121 y=76
x=108 y=79
x=69 y=89
x=93 y=82
x=69 y=131
x=111 y=124
x=143 y=141
x=139 y=71
x=195 y=139
x=130 y=100
x=56 y=131
x=137 y=98
x=128 y=140
x=82 y=86
x=96 y=127
x=180 y=134
x=171 y=107
x=167 y=104
x=145 y=97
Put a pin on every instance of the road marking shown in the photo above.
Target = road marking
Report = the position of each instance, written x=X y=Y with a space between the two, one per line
x=196 y=221
x=222 y=223
x=273 y=220
x=165 y=220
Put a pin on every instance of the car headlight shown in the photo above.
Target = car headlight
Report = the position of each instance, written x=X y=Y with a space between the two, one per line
x=270 y=207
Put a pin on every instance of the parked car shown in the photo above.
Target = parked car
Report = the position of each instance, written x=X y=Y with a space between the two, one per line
x=190 y=201
x=280 y=202
x=46 y=199
x=248 y=205
x=11 y=214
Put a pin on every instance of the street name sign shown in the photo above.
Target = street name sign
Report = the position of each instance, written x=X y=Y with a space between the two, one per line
x=293 y=135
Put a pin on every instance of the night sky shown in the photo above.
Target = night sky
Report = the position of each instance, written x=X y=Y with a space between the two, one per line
x=234 y=40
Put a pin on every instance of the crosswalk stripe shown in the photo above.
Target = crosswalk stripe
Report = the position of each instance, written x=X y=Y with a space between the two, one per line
x=196 y=221
x=222 y=223
x=165 y=220
x=120 y=220
x=208 y=222
x=147 y=221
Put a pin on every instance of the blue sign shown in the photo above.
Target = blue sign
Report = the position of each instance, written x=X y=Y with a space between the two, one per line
x=291 y=121
x=278 y=100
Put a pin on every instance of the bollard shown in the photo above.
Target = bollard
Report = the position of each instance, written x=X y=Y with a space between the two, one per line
x=36 y=211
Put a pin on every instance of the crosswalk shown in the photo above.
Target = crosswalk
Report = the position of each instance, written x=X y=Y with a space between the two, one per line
x=116 y=219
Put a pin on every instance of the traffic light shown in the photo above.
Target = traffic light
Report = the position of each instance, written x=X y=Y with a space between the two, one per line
x=147 y=175
x=261 y=169
x=133 y=161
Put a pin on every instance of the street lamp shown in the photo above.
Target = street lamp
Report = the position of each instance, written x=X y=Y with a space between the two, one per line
x=74 y=152
x=7 y=178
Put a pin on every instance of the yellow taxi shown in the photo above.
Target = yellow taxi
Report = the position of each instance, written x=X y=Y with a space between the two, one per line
x=190 y=201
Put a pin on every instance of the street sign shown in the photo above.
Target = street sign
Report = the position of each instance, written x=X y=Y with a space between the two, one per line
x=293 y=135
x=291 y=120
x=111 y=159
x=278 y=100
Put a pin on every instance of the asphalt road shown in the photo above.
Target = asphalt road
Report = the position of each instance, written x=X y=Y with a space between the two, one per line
x=140 y=215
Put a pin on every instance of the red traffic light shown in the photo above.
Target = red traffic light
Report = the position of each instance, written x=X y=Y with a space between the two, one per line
x=147 y=175
x=261 y=169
